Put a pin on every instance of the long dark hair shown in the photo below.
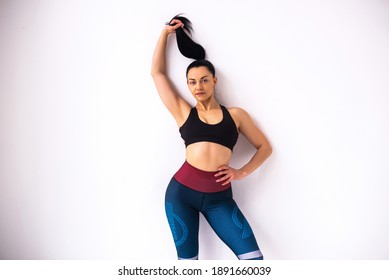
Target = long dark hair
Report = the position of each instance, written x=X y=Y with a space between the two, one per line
x=186 y=45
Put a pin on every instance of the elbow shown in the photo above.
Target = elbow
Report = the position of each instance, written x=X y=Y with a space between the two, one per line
x=269 y=150
x=155 y=73
x=155 y=70
x=266 y=149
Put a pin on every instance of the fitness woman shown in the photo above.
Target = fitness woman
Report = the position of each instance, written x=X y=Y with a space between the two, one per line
x=210 y=131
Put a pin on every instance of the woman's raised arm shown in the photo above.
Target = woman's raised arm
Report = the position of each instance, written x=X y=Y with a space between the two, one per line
x=176 y=105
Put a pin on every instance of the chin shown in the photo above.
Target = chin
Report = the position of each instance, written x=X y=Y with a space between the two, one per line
x=202 y=97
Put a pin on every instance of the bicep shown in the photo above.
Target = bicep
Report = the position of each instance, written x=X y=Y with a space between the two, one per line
x=176 y=105
x=251 y=131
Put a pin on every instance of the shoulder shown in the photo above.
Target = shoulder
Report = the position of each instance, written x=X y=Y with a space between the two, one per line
x=239 y=115
x=237 y=112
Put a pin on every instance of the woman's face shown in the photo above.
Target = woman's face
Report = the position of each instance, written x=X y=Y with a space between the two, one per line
x=201 y=83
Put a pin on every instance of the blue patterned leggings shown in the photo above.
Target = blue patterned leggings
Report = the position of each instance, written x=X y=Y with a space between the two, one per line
x=183 y=206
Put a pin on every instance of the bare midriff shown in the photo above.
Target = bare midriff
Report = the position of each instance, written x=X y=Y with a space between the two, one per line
x=207 y=156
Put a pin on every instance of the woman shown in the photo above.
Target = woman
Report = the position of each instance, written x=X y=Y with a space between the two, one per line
x=203 y=183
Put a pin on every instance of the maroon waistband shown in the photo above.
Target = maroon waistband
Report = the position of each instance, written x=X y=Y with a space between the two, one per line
x=199 y=180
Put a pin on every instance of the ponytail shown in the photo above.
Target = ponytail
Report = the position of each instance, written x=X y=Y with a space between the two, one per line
x=186 y=45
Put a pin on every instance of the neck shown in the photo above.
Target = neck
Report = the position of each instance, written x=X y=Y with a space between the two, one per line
x=208 y=105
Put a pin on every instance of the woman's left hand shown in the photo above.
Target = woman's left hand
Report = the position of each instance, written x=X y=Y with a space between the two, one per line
x=227 y=174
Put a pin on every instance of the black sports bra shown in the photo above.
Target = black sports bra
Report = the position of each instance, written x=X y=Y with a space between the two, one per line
x=195 y=130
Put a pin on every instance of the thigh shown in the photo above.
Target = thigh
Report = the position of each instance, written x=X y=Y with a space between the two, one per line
x=231 y=226
x=183 y=218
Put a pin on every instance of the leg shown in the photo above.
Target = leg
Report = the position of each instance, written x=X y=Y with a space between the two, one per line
x=183 y=218
x=225 y=218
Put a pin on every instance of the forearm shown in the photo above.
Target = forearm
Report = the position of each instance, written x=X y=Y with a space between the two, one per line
x=159 y=58
x=262 y=153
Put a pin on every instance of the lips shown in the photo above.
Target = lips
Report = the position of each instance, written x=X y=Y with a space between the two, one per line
x=200 y=93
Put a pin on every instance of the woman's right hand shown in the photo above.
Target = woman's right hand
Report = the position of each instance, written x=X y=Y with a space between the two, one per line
x=173 y=25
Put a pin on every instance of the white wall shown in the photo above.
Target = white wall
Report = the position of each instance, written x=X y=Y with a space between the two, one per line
x=87 y=148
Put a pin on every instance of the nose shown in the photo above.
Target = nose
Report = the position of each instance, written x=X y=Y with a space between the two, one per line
x=199 y=86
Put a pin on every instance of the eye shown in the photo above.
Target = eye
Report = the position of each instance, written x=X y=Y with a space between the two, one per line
x=192 y=83
x=204 y=81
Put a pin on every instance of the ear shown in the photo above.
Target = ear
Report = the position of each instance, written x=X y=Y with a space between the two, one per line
x=215 y=80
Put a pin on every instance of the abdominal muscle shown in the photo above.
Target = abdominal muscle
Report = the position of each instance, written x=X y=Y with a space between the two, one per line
x=207 y=156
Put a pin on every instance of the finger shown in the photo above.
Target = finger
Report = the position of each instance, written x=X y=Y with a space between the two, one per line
x=177 y=25
x=223 y=167
x=174 y=23
x=219 y=174
x=225 y=171
x=226 y=177
x=226 y=182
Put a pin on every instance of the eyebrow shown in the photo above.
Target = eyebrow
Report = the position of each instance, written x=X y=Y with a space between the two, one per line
x=206 y=76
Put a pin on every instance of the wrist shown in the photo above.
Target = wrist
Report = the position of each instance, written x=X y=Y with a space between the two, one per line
x=243 y=172
x=165 y=32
